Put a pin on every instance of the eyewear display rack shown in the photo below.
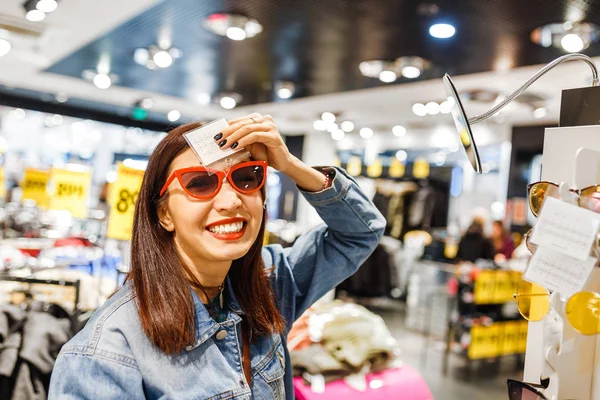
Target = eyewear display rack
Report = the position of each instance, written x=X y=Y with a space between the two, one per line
x=571 y=155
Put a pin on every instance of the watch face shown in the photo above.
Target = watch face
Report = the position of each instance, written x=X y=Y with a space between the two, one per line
x=462 y=125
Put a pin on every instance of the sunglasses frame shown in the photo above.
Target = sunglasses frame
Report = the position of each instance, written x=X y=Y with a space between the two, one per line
x=527 y=386
x=578 y=192
x=220 y=174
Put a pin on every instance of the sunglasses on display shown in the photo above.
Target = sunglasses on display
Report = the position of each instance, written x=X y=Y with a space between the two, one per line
x=582 y=309
x=524 y=391
x=203 y=183
x=588 y=198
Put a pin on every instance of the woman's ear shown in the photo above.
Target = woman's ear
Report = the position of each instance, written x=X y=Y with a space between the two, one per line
x=164 y=217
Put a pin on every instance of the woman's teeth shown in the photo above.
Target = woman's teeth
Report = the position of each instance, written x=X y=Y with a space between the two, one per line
x=228 y=228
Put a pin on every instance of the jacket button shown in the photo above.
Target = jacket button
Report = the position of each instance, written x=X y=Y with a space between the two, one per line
x=221 y=335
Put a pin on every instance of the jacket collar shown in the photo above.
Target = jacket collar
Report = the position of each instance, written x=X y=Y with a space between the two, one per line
x=206 y=327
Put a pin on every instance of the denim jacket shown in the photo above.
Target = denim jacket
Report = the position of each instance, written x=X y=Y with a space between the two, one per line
x=111 y=358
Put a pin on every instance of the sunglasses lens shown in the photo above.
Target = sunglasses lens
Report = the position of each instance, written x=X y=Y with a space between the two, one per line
x=521 y=391
x=538 y=193
x=533 y=301
x=248 y=179
x=200 y=184
x=590 y=199
x=583 y=312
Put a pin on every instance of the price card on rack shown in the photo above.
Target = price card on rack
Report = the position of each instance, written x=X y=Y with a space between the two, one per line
x=566 y=229
x=70 y=191
x=123 y=196
x=34 y=186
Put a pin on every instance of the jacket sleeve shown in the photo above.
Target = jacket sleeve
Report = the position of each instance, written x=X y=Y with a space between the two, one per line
x=322 y=258
x=84 y=377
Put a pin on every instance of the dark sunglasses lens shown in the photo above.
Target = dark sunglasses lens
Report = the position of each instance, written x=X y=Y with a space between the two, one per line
x=590 y=199
x=248 y=179
x=200 y=184
x=538 y=193
x=520 y=391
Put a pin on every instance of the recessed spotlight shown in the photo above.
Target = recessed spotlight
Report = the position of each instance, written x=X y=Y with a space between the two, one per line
x=57 y=119
x=328 y=117
x=46 y=6
x=102 y=81
x=411 y=72
x=285 y=89
x=401 y=155
x=5 y=47
x=399 y=130
x=162 y=58
x=539 y=112
x=347 y=126
x=146 y=103
x=442 y=31
x=432 y=108
x=366 y=133
x=387 y=76
x=35 y=16
x=419 y=109
x=284 y=93
x=320 y=125
x=338 y=134
x=61 y=97
x=173 y=115
x=203 y=98
x=332 y=127
x=228 y=103
x=446 y=106
x=572 y=43
x=233 y=26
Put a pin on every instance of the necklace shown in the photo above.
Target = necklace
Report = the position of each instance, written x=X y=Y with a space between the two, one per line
x=204 y=289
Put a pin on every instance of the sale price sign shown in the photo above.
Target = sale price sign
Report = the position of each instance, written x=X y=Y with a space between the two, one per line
x=70 y=191
x=123 y=196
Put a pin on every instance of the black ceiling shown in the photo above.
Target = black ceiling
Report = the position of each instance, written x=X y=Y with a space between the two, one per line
x=318 y=44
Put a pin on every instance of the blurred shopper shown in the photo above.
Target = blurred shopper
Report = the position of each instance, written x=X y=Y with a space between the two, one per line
x=474 y=245
x=503 y=243
x=205 y=309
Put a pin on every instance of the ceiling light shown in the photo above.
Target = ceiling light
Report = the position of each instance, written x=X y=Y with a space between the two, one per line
x=35 y=16
x=432 y=108
x=173 y=115
x=228 y=103
x=332 y=127
x=285 y=89
x=320 y=125
x=419 y=109
x=338 y=134
x=102 y=81
x=347 y=126
x=46 y=6
x=146 y=103
x=453 y=148
x=235 y=33
x=366 y=133
x=442 y=31
x=57 y=119
x=411 y=72
x=571 y=36
x=162 y=59
x=399 y=130
x=401 y=155
x=539 y=112
x=203 y=98
x=446 y=106
x=572 y=43
x=61 y=97
x=328 y=117
x=234 y=26
x=5 y=47
x=387 y=76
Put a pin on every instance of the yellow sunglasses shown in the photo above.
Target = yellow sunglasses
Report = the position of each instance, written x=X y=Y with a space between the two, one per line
x=582 y=309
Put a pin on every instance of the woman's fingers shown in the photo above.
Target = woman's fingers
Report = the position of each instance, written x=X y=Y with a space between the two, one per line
x=245 y=130
x=266 y=138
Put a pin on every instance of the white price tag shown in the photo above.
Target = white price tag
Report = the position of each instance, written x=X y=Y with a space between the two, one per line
x=559 y=272
x=566 y=228
x=202 y=142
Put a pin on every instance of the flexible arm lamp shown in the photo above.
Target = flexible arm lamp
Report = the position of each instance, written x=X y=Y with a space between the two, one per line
x=463 y=124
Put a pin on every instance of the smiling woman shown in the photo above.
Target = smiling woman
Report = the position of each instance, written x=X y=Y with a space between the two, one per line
x=205 y=309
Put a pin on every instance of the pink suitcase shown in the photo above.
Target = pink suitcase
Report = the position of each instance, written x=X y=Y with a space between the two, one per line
x=402 y=383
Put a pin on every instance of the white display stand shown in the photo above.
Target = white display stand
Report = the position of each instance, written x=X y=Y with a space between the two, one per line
x=571 y=155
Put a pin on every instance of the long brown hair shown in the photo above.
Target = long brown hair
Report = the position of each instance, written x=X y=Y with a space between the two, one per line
x=164 y=298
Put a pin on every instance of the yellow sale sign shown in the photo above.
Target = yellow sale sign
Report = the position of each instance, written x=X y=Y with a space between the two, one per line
x=34 y=186
x=70 y=191
x=123 y=196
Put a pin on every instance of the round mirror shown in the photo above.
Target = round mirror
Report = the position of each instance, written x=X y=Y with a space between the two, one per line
x=462 y=124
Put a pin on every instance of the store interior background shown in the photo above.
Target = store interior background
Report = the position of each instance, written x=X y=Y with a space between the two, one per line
x=304 y=63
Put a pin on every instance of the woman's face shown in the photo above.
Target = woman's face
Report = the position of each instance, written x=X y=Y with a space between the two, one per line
x=203 y=229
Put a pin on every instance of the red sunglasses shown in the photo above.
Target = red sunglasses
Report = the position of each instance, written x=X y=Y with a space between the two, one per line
x=202 y=183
